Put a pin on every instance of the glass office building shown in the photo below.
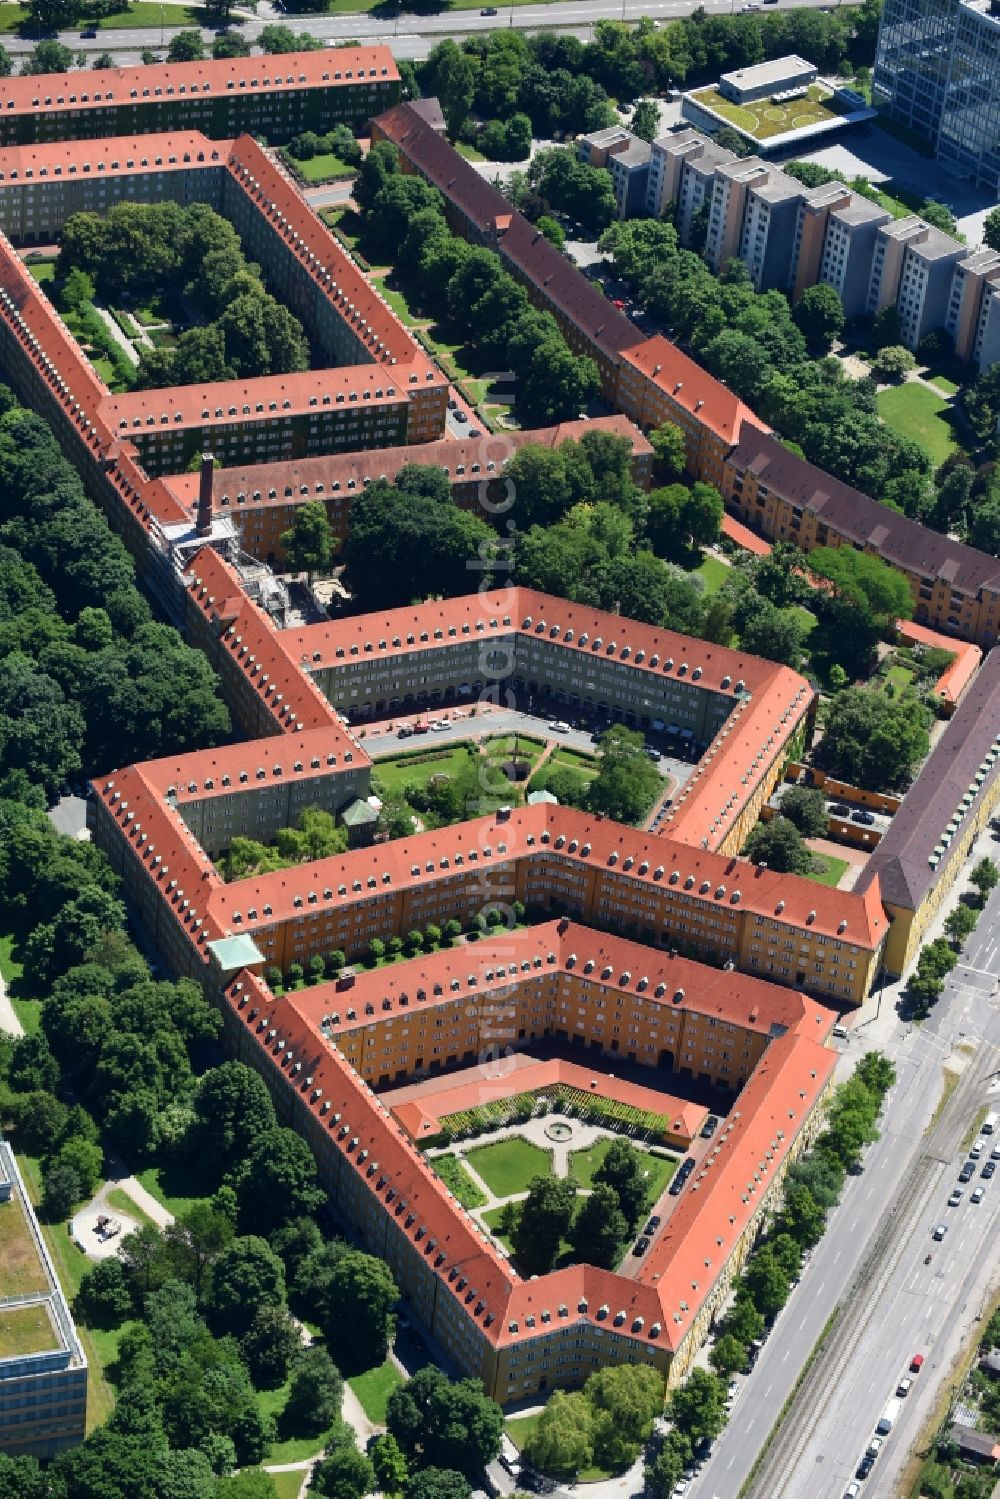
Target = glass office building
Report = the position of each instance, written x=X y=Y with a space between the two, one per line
x=937 y=71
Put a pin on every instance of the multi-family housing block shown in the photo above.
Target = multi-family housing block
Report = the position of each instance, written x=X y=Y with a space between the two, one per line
x=273 y=96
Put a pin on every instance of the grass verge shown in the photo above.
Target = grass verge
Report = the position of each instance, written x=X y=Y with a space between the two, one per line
x=949 y=1082
x=507 y=1166
x=831 y=872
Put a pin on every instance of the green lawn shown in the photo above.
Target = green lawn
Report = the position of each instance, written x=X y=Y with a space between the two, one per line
x=27 y=1009
x=714 y=574
x=917 y=413
x=150 y=13
x=25 y=1329
x=177 y=1185
x=584 y=1163
x=285 y=1449
x=831 y=872
x=287 y=1485
x=322 y=168
x=457 y=1179
x=900 y=677
x=374 y=1387
x=393 y=775
x=521 y=1429
x=397 y=301
x=507 y=1166
x=11 y=17
x=763 y=118
x=471 y=153
x=42 y=270
x=944 y=383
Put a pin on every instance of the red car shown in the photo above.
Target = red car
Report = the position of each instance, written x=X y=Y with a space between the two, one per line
x=916 y=1363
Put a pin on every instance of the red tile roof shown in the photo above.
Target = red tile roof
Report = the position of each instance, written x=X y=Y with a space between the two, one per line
x=117 y=155
x=421 y=1107
x=264 y=484
x=205 y=774
x=213 y=77
x=663 y=1302
x=561 y=835
x=954 y=680
x=692 y=388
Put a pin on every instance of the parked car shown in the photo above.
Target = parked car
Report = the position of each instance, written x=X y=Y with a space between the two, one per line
x=904 y=1387
x=839 y=809
x=709 y=1127
x=560 y=726
x=641 y=1245
x=916 y=1363
x=653 y=1224
x=404 y=731
x=865 y=1466
x=488 y=10
x=865 y=818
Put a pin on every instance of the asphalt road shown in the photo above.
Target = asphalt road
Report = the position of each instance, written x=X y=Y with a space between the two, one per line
x=413 y=36
x=871 y=1263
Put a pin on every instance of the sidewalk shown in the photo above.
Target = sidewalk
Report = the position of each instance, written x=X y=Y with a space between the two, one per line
x=9 y=1022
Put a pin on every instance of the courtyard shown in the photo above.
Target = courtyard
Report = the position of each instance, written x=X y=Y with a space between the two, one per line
x=491 y=1175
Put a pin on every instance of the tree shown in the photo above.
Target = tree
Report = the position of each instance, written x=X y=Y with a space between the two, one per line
x=62 y=1191
x=744 y=1322
x=698 y=1406
x=662 y=1477
x=805 y=806
x=392 y=1473
x=991 y=229
x=780 y=846
x=627 y=783
x=562 y=1443
x=623 y=1169
x=938 y=214
x=104 y=1298
x=873 y=740
x=802 y=1216
x=23 y=1478
x=283 y=39
x=985 y=876
x=819 y=315
x=876 y=1072
x=767 y=1282
x=960 y=923
x=230 y=44
x=646 y=119
x=727 y=1355
x=41 y=1121
x=600 y=1229
x=444 y=1423
x=245 y=1275
x=357 y=1317
x=438 y=1483
x=309 y=542
x=186 y=46
x=268 y=1345
x=345 y=1474
x=277 y=1180
x=552 y=230
x=48 y=57
x=625 y=1399
x=543 y=1223
x=892 y=362
x=450 y=74
x=316 y=1392
x=670 y=450
x=232 y=1108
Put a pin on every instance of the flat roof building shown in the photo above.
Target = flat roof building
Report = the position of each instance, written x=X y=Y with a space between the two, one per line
x=43 y=1370
x=766 y=79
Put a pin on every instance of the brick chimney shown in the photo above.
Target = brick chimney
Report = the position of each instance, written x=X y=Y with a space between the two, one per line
x=203 y=525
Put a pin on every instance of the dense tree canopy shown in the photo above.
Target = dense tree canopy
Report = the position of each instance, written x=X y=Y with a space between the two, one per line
x=873 y=740
x=442 y=1423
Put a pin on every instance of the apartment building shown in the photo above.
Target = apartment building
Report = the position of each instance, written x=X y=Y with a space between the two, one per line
x=43 y=1369
x=523 y=1337
x=968 y=314
x=848 y=250
x=955 y=588
x=262 y=498
x=681 y=171
x=936 y=72
x=912 y=266
x=273 y=96
x=956 y=794
x=727 y=207
x=657 y=383
x=630 y=177
x=596 y=149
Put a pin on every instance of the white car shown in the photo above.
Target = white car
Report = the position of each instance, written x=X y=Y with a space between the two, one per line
x=904 y=1387
x=955 y=1198
x=978 y=1195
x=975 y=1151
x=562 y=727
